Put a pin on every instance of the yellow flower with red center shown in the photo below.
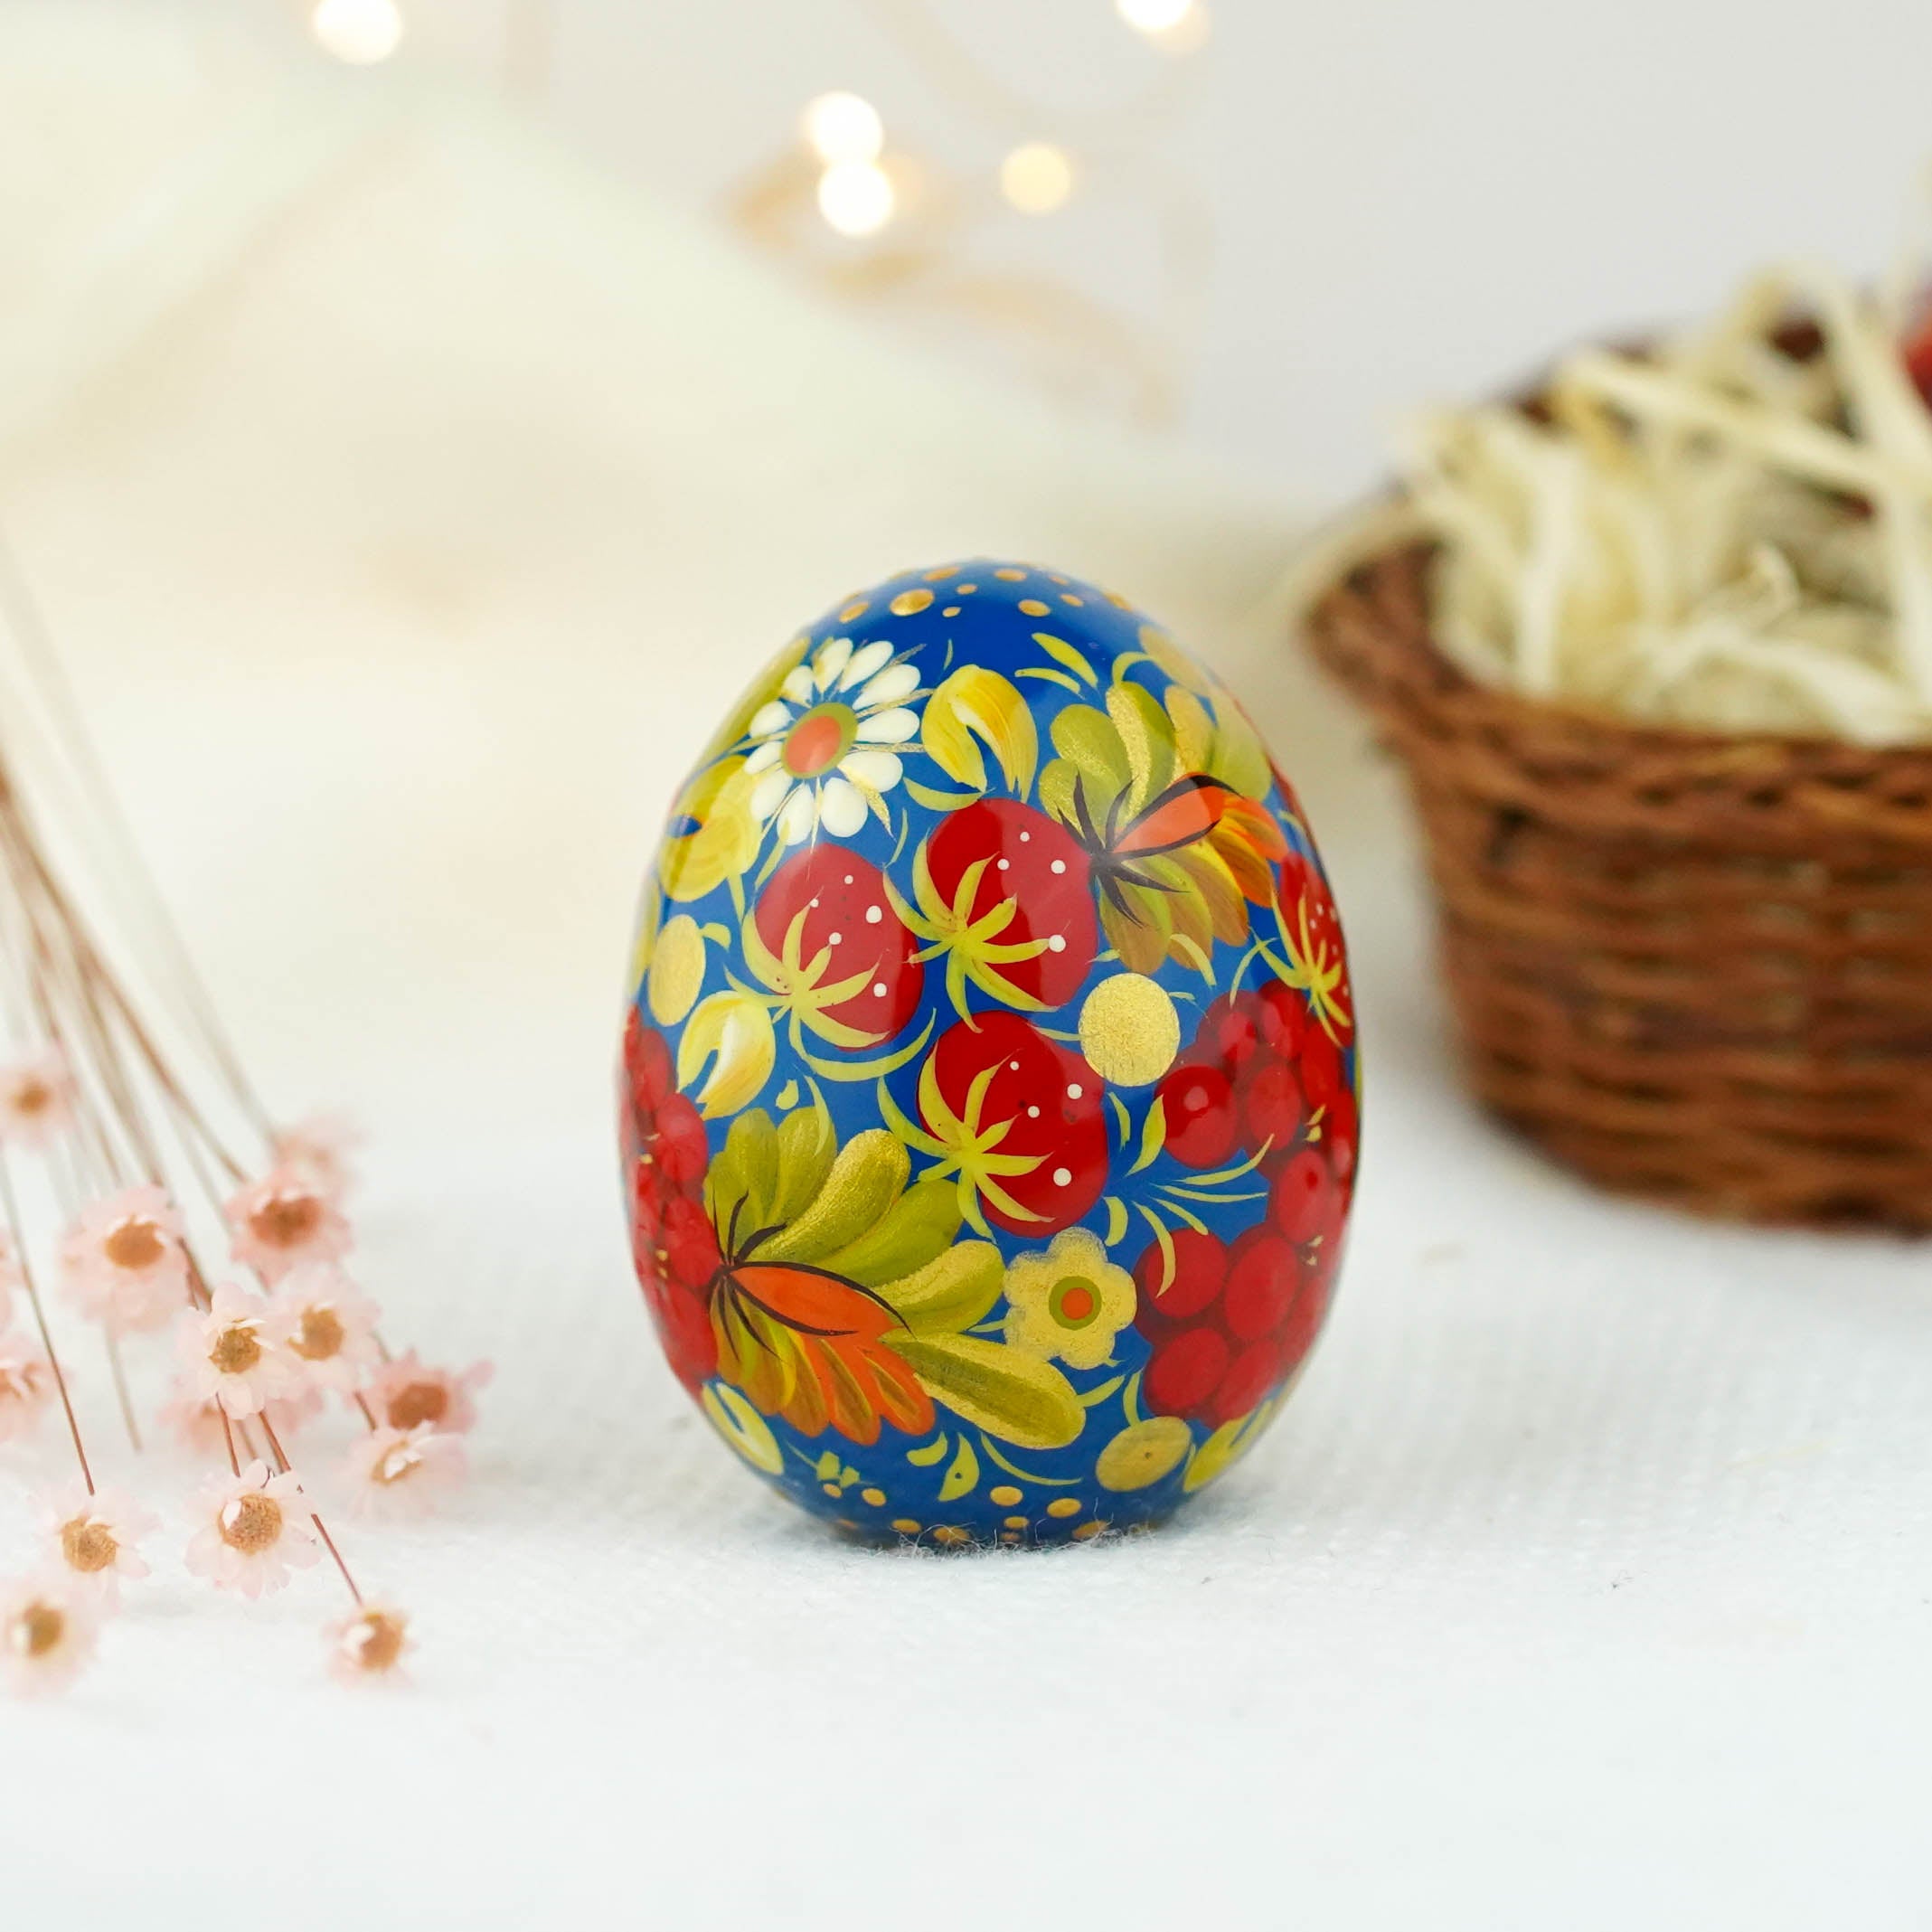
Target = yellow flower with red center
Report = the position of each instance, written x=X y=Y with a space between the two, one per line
x=1068 y=1301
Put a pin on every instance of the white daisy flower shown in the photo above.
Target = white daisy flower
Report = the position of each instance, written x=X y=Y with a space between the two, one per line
x=822 y=746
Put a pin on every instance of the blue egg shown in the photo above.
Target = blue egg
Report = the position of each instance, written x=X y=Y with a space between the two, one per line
x=989 y=1100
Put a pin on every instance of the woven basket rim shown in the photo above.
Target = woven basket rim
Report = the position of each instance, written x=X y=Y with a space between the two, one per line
x=1783 y=794
x=1526 y=707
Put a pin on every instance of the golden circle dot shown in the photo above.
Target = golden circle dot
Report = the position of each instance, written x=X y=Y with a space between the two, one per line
x=1129 y=1030
x=951 y=610
x=1067 y=597
x=905 y=1525
x=1063 y=1506
x=1009 y=1536
x=1034 y=608
x=1118 y=601
x=1011 y=577
x=965 y=590
x=1055 y=577
x=910 y=603
x=852 y=610
x=875 y=1496
x=950 y=1536
x=1005 y=1495
x=832 y=1489
x=1016 y=1522
x=1088 y=1531
x=944 y=570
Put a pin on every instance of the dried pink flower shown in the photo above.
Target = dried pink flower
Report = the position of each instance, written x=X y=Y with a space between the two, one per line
x=285 y=1221
x=257 y=1531
x=330 y=1326
x=319 y=1147
x=27 y=1385
x=394 y=1472
x=124 y=1262
x=47 y=1635
x=93 y=1537
x=235 y=1352
x=195 y=1421
x=407 y=1392
x=368 y=1645
x=36 y=1097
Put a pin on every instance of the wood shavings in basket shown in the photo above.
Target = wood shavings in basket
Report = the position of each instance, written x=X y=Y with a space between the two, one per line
x=1728 y=531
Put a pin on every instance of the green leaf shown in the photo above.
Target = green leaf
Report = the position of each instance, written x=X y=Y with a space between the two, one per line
x=1117 y=1219
x=803 y=1158
x=962 y=1477
x=1087 y=739
x=930 y=1453
x=1048 y=676
x=918 y=1227
x=741 y=1173
x=952 y=1292
x=1018 y=1398
x=864 y=1181
x=1146 y=736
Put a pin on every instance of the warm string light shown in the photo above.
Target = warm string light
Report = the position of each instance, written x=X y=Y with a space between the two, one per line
x=1176 y=26
x=363 y=33
x=1036 y=177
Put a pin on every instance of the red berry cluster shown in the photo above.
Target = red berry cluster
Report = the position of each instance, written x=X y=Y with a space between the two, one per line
x=665 y=1158
x=1236 y=1318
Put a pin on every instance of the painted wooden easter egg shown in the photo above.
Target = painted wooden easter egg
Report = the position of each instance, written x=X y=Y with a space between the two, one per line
x=989 y=1099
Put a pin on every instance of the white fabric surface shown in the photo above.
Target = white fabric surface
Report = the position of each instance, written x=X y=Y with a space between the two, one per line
x=404 y=552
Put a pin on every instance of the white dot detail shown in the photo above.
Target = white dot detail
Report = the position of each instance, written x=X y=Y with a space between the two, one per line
x=1059 y=865
x=1062 y=1177
x=879 y=989
x=848 y=878
x=1057 y=944
x=1032 y=1113
x=1073 y=1093
x=873 y=914
x=1005 y=865
x=834 y=939
x=1012 y=1066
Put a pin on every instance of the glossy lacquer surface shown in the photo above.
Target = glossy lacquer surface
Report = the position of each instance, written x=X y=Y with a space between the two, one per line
x=989 y=1096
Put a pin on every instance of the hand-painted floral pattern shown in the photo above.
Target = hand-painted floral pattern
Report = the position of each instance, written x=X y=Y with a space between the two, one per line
x=989 y=1084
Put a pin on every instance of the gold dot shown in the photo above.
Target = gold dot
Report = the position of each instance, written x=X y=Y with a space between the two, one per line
x=905 y=1526
x=951 y=610
x=875 y=1496
x=950 y=1537
x=944 y=570
x=1032 y=607
x=1088 y=1531
x=1011 y=577
x=1129 y=1030
x=1009 y=1536
x=832 y=1489
x=910 y=603
x=1067 y=597
x=1054 y=576
x=1005 y=1495
x=852 y=610
x=1063 y=1506
x=1141 y=1456
x=1016 y=1522
x=1118 y=601
x=965 y=590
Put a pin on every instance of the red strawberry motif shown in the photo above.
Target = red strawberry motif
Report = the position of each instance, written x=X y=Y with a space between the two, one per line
x=847 y=914
x=1918 y=357
x=1312 y=933
x=1019 y=1117
x=1028 y=919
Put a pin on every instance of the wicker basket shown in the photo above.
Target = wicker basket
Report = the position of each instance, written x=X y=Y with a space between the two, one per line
x=1693 y=966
